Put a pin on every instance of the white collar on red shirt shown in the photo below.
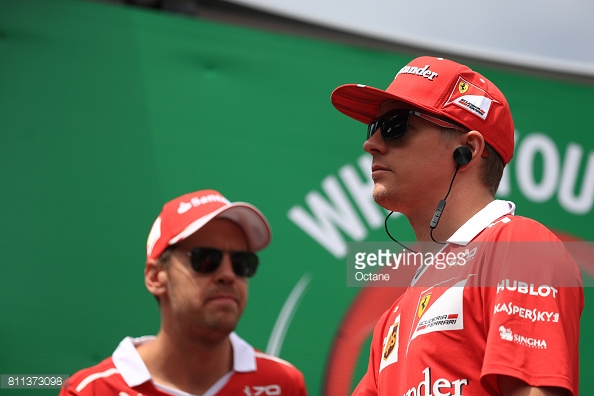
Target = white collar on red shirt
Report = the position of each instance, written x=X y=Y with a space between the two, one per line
x=133 y=370
x=481 y=220
x=473 y=227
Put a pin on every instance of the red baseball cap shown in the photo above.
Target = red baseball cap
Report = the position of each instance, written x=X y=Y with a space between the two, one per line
x=183 y=216
x=441 y=87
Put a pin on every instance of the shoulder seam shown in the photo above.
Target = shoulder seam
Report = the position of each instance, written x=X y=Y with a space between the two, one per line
x=273 y=358
x=87 y=380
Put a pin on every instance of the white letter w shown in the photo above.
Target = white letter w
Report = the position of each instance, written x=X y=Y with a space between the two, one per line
x=327 y=216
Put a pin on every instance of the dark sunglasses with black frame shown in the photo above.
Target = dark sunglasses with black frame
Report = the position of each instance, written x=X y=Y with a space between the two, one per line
x=207 y=260
x=394 y=123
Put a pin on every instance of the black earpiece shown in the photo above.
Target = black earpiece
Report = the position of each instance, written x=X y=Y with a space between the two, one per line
x=462 y=155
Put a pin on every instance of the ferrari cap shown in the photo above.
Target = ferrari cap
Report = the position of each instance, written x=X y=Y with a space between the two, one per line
x=441 y=87
x=183 y=216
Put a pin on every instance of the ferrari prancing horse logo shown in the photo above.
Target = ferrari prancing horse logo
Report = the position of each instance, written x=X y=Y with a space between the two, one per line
x=423 y=304
x=462 y=87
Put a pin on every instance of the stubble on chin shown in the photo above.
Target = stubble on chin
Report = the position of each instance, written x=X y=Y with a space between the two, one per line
x=223 y=327
x=382 y=196
x=216 y=327
x=223 y=317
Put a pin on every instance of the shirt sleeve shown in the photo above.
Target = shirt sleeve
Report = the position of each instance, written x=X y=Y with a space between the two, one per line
x=532 y=307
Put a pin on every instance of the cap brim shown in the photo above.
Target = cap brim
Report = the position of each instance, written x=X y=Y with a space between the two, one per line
x=361 y=102
x=251 y=220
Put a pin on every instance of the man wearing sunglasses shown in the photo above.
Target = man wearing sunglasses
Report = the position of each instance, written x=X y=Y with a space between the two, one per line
x=201 y=251
x=501 y=315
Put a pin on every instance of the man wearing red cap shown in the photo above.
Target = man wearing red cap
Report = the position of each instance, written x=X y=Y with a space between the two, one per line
x=501 y=316
x=200 y=252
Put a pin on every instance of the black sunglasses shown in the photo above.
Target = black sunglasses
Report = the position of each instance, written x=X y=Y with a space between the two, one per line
x=207 y=260
x=394 y=123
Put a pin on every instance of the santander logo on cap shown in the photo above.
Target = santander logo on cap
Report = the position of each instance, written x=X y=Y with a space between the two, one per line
x=419 y=71
x=200 y=200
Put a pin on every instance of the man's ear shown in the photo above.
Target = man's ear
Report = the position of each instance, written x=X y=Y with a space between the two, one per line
x=474 y=141
x=155 y=278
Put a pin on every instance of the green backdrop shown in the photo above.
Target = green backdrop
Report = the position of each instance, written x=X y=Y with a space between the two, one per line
x=106 y=112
